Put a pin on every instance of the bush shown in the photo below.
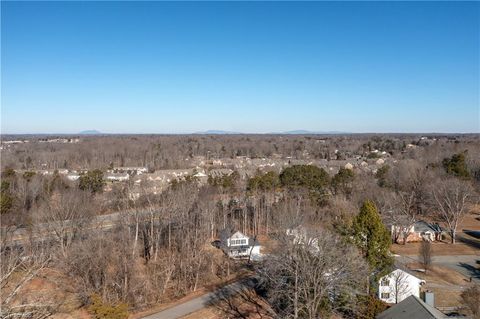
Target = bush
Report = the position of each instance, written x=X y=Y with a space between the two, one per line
x=456 y=165
x=265 y=182
x=100 y=310
x=342 y=180
x=307 y=176
x=382 y=174
x=92 y=181
x=8 y=173
x=6 y=198
x=369 y=307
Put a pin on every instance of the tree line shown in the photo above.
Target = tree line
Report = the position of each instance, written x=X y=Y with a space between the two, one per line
x=160 y=247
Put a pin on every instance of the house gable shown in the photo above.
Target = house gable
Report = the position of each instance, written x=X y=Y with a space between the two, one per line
x=411 y=308
x=398 y=285
x=238 y=239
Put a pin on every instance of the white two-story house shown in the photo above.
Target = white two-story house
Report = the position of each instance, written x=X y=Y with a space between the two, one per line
x=398 y=285
x=237 y=245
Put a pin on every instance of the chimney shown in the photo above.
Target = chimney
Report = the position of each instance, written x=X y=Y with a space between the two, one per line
x=429 y=298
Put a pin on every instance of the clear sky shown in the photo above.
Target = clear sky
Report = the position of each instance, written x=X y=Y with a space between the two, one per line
x=173 y=67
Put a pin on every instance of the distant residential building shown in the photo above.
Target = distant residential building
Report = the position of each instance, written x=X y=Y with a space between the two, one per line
x=15 y=142
x=236 y=244
x=419 y=231
x=129 y=170
x=200 y=175
x=117 y=177
x=73 y=176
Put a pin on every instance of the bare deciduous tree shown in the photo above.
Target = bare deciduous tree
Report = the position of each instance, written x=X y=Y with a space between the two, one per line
x=452 y=199
x=306 y=274
x=400 y=285
x=401 y=214
x=425 y=254
x=19 y=267
x=64 y=216
x=471 y=299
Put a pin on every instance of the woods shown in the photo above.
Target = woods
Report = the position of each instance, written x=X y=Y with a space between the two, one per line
x=135 y=252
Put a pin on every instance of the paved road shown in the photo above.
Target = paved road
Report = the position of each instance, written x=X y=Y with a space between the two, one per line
x=44 y=231
x=464 y=264
x=200 y=302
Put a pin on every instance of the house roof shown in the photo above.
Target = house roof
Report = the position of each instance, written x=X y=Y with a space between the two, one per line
x=423 y=226
x=228 y=233
x=411 y=308
x=117 y=175
x=251 y=243
x=404 y=270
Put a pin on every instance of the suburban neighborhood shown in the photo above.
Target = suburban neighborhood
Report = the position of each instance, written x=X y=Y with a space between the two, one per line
x=240 y=160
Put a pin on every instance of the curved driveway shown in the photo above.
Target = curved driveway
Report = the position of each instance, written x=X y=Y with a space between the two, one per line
x=201 y=302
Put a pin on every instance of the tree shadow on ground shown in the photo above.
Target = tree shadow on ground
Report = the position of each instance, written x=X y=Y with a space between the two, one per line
x=472 y=270
x=469 y=237
x=244 y=303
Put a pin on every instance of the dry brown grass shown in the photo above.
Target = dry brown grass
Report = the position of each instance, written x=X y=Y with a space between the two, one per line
x=77 y=314
x=52 y=288
x=471 y=221
x=438 y=249
x=439 y=275
x=446 y=298
x=445 y=283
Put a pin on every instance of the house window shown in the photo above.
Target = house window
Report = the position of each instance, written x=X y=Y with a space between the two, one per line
x=385 y=282
x=236 y=242
x=385 y=295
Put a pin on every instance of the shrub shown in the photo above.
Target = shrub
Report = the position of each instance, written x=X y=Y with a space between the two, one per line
x=369 y=307
x=92 y=181
x=101 y=310
x=456 y=165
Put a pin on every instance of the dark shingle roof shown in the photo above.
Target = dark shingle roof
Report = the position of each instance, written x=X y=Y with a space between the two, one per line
x=411 y=308
x=422 y=226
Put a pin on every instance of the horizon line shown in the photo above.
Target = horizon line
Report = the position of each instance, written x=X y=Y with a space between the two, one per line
x=214 y=132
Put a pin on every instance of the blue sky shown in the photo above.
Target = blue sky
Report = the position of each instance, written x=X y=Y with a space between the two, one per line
x=173 y=67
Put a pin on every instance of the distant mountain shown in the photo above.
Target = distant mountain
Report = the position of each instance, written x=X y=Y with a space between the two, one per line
x=298 y=132
x=217 y=132
x=90 y=132
x=294 y=132
x=305 y=132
